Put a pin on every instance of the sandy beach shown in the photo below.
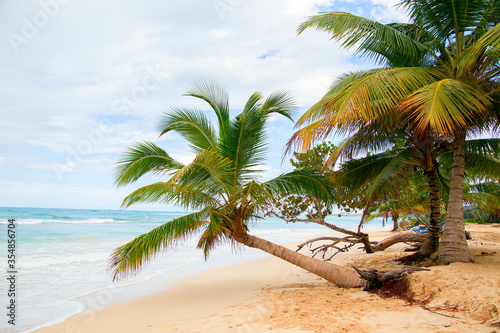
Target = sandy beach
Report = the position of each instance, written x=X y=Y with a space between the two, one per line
x=271 y=294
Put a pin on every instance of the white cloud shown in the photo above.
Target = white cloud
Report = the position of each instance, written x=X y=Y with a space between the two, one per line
x=388 y=11
x=184 y=157
x=93 y=64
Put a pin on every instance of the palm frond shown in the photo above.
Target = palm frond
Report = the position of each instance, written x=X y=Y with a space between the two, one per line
x=445 y=19
x=484 y=146
x=244 y=142
x=188 y=197
x=280 y=102
x=445 y=106
x=319 y=109
x=143 y=158
x=214 y=234
x=193 y=125
x=485 y=52
x=215 y=96
x=210 y=172
x=370 y=37
x=378 y=170
x=129 y=258
x=301 y=182
x=370 y=97
x=366 y=139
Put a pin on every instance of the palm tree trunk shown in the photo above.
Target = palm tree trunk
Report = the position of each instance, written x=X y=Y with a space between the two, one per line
x=395 y=225
x=431 y=242
x=453 y=246
x=341 y=276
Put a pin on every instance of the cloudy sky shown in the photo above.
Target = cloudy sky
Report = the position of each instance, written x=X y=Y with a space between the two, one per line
x=82 y=80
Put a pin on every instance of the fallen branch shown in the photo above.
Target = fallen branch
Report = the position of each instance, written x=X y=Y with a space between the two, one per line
x=325 y=247
x=403 y=237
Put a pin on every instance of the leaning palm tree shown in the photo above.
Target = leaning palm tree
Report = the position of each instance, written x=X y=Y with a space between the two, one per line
x=219 y=185
x=440 y=75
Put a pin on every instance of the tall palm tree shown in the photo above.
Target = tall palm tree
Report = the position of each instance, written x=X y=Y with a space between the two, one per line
x=219 y=185
x=440 y=75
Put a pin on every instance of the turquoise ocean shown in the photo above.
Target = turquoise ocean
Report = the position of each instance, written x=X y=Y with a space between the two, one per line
x=61 y=257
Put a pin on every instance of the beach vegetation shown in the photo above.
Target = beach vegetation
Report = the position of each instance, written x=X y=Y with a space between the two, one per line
x=439 y=77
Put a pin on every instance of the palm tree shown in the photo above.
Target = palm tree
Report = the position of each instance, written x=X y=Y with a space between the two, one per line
x=397 y=173
x=440 y=76
x=219 y=185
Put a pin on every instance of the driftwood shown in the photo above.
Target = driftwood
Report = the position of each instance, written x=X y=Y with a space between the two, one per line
x=376 y=280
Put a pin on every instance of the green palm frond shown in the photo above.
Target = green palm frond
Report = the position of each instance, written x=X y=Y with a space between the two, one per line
x=301 y=182
x=484 y=146
x=445 y=106
x=486 y=49
x=365 y=140
x=215 y=96
x=486 y=187
x=478 y=166
x=193 y=125
x=214 y=234
x=257 y=193
x=144 y=157
x=210 y=172
x=378 y=169
x=446 y=18
x=188 y=197
x=244 y=141
x=482 y=159
x=252 y=105
x=365 y=34
x=129 y=258
x=485 y=196
x=280 y=102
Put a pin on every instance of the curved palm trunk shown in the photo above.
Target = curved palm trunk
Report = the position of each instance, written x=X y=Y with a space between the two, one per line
x=342 y=276
x=453 y=246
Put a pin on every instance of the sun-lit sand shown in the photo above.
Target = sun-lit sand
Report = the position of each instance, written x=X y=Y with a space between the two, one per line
x=271 y=294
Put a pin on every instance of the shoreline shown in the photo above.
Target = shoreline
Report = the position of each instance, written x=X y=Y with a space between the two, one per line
x=55 y=275
x=271 y=294
x=108 y=298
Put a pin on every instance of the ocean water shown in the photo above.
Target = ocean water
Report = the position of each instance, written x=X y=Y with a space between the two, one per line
x=61 y=256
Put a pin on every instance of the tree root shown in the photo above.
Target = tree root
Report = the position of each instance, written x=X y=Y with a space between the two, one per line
x=377 y=280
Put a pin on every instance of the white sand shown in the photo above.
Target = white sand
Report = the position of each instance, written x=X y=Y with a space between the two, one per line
x=271 y=294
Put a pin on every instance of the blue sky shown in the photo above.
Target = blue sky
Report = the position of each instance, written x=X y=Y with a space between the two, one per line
x=82 y=80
